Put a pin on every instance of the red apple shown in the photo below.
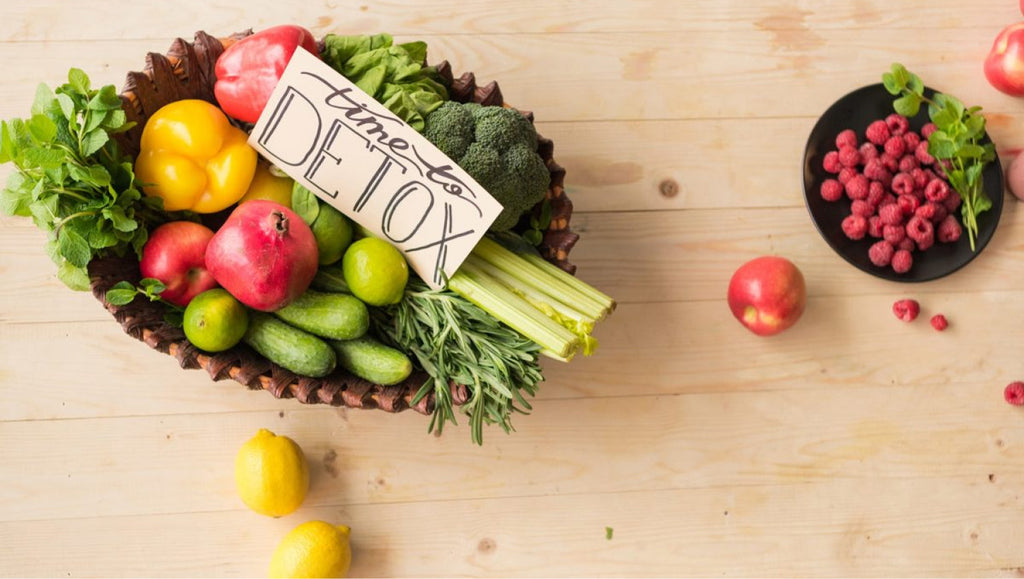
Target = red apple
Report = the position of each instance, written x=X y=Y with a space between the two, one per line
x=1004 y=66
x=767 y=294
x=175 y=254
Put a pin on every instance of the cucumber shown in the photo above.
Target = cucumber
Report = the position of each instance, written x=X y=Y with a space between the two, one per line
x=329 y=278
x=288 y=346
x=372 y=361
x=328 y=315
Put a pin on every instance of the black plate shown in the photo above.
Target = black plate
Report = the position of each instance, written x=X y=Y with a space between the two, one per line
x=856 y=111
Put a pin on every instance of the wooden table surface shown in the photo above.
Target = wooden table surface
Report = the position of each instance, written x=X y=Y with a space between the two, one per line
x=853 y=444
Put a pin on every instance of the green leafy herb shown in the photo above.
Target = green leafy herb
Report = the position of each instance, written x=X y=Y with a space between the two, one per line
x=539 y=223
x=956 y=142
x=456 y=342
x=608 y=533
x=123 y=292
x=72 y=179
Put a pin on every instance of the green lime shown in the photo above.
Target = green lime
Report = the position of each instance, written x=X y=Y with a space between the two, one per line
x=333 y=233
x=215 y=320
x=375 y=271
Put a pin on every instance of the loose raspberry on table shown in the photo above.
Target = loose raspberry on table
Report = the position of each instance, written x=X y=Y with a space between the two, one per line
x=939 y=322
x=898 y=124
x=831 y=190
x=927 y=130
x=855 y=226
x=876 y=191
x=846 y=173
x=877 y=133
x=903 y=184
x=906 y=310
x=867 y=151
x=875 y=227
x=846 y=138
x=908 y=163
x=907 y=245
x=949 y=230
x=908 y=203
x=936 y=190
x=880 y=253
x=849 y=156
x=902 y=261
x=891 y=214
x=912 y=140
x=831 y=162
x=896 y=146
x=921 y=231
x=857 y=187
x=862 y=208
x=922 y=155
x=894 y=234
x=1014 y=393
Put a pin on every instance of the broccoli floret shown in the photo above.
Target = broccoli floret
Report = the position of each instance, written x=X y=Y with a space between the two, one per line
x=450 y=128
x=499 y=150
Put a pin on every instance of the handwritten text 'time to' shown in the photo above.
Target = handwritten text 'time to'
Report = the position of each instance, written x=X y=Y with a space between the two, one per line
x=354 y=154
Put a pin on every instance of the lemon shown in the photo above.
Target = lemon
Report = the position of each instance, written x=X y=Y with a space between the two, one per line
x=266 y=185
x=215 y=321
x=333 y=233
x=271 y=474
x=313 y=549
x=375 y=271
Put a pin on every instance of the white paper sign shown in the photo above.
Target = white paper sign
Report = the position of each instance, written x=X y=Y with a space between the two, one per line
x=356 y=155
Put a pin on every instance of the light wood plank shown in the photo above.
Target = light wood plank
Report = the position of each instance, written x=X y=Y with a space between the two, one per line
x=789 y=22
x=835 y=528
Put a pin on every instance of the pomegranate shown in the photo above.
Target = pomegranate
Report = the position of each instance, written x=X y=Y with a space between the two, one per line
x=265 y=255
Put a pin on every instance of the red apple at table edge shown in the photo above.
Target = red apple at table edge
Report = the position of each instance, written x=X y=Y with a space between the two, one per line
x=175 y=254
x=767 y=294
x=1004 y=65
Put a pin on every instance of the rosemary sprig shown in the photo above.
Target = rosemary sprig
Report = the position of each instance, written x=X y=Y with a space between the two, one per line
x=956 y=142
x=455 y=341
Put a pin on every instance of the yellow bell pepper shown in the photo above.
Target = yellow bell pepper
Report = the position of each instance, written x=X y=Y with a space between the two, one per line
x=193 y=158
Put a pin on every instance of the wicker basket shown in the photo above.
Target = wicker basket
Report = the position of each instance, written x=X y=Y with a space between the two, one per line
x=187 y=71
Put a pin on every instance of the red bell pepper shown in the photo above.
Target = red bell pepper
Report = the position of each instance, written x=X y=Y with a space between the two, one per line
x=249 y=69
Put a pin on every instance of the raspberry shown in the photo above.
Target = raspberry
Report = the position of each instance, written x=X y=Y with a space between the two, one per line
x=891 y=214
x=876 y=191
x=949 y=230
x=907 y=245
x=912 y=140
x=881 y=253
x=921 y=231
x=875 y=227
x=894 y=234
x=927 y=130
x=857 y=187
x=920 y=177
x=936 y=190
x=906 y=310
x=855 y=226
x=952 y=203
x=902 y=184
x=926 y=211
x=921 y=152
x=887 y=199
x=877 y=132
x=890 y=162
x=939 y=322
x=873 y=167
x=908 y=204
x=896 y=146
x=898 y=124
x=902 y=261
x=846 y=173
x=862 y=208
x=908 y=163
x=831 y=162
x=867 y=152
x=940 y=212
x=846 y=138
x=831 y=190
x=1014 y=393
x=849 y=156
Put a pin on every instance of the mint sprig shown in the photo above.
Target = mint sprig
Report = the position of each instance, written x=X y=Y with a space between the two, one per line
x=955 y=144
x=73 y=180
